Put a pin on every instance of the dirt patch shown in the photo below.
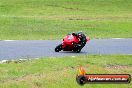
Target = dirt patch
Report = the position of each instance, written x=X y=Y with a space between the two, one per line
x=79 y=18
x=74 y=9
x=68 y=8
x=100 y=18
x=24 y=78
x=118 y=66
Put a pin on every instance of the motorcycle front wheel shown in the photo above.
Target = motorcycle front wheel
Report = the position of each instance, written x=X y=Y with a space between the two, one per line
x=58 y=48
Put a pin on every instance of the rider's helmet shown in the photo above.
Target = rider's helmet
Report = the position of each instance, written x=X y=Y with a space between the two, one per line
x=80 y=34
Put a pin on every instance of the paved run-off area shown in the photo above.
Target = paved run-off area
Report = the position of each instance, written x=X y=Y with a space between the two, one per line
x=18 y=49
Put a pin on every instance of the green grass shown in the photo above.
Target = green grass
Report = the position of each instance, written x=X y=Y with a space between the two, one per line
x=61 y=72
x=52 y=19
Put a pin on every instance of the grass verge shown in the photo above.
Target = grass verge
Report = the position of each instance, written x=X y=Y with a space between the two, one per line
x=52 y=19
x=61 y=72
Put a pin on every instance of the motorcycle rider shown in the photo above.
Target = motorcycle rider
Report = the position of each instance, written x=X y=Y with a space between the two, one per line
x=82 y=39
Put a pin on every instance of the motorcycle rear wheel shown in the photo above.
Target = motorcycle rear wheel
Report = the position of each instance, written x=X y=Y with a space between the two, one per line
x=77 y=49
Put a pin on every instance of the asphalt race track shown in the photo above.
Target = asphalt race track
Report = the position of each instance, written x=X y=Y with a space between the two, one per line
x=45 y=48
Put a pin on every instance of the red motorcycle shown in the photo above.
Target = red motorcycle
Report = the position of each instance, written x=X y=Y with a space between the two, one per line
x=69 y=43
